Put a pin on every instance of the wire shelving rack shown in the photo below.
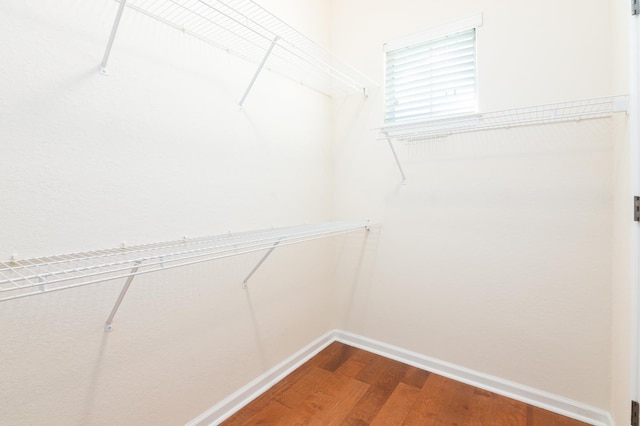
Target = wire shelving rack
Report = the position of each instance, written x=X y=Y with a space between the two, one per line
x=541 y=114
x=425 y=130
x=30 y=277
x=246 y=29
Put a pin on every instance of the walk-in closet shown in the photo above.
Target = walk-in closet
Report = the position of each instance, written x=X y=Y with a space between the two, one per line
x=319 y=212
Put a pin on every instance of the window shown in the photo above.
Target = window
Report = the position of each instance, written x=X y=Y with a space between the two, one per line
x=432 y=75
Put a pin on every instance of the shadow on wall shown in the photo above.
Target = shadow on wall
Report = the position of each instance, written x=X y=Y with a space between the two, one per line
x=356 y=260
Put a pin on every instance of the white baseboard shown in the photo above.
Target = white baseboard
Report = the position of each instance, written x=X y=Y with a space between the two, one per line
x=225 y=408
x=535 y=397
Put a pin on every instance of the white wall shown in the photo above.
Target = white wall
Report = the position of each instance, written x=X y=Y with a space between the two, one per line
x=154 y=151
x=622 y=232
x=160 y=137
x=496 y=255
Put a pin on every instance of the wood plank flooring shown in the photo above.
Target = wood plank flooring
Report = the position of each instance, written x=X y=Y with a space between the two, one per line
x=343 y=385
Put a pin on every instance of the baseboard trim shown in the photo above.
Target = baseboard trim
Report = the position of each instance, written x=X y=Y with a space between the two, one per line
x=535 y=397
x=228 y=406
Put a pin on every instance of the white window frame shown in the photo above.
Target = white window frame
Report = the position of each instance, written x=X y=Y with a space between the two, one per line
x=451 y=28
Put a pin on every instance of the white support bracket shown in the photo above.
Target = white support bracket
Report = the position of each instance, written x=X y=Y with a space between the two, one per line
x=255 y=76
x=395 y=156
x=42 y=282
x=112 y=37
x=621 y=103
x=255 y=268
x=108 y=324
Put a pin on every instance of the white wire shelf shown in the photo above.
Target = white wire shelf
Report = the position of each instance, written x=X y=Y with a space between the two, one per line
x=550 y=113
x=244 y=28
x=29 y=277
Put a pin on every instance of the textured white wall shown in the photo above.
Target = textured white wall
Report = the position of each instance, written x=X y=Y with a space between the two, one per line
x=87 y=159
x=154 y=151
x=497 y=254
x=622 y=230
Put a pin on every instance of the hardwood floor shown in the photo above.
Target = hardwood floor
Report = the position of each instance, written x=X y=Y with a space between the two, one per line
x=343 y=385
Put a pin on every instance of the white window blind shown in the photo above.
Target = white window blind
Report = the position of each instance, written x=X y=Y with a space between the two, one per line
x=431 y=79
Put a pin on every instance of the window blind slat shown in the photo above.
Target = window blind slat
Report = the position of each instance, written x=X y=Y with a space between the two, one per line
x=428 y=96
x=430 y=55
x=446 y=102
x=440 y=43
x=433 y=60
x=468 y=64
x=400 y=92
x=436 y=98
x=433 y=113
x=446 y=74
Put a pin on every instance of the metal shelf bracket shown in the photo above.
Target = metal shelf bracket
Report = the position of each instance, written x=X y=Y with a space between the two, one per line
x=395 y=156
x=257 y=73
x=108 y=324
x=259 y=264
x=43 y=282
x=112 y=37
